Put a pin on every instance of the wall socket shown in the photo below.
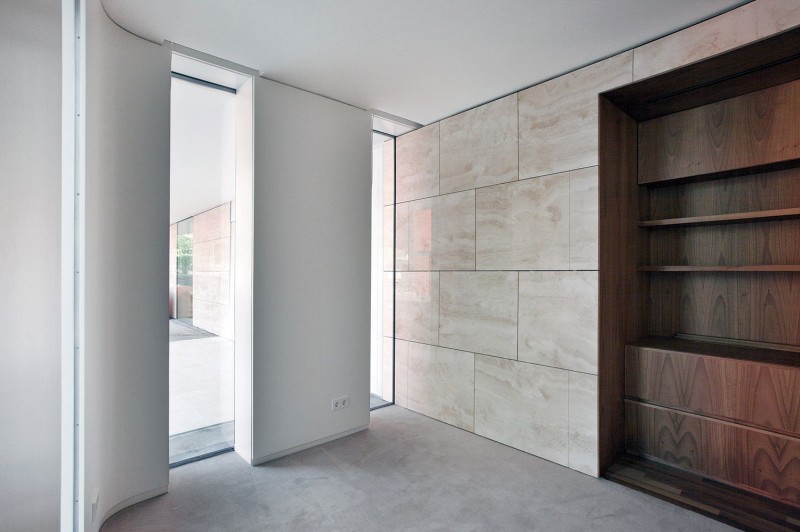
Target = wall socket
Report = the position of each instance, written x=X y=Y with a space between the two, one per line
x=340 y=402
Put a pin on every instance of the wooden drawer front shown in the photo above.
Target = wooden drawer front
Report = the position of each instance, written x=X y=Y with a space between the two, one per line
x=752 y=459
x=763 y=395
x=710 y=139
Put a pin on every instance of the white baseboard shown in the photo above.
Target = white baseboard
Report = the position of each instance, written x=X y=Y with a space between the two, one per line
x=286 y=452
x=133 y=500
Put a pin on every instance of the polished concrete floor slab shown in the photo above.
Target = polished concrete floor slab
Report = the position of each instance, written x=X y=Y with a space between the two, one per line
x=407 y=472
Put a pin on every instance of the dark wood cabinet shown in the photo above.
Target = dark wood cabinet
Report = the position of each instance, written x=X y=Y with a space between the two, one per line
x=699 y=366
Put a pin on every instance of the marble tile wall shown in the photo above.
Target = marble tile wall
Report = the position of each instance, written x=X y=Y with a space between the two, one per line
x=497 y=223
x=440 y=384
x=441 y=232
x=524 y=225
x=479 y=147
x=478 y=312
x=417 y=163
x=212 y=305
x=558 y=118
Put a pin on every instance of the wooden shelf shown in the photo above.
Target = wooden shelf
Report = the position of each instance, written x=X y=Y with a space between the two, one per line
x=718 y=219
x=722 y=349
x=746 y=268
x=723 y=502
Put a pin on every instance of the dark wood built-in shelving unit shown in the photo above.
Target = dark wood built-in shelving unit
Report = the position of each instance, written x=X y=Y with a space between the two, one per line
x=699 y=367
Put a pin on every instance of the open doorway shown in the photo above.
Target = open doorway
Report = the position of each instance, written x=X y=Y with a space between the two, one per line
x=381 y=392
x=202 y=256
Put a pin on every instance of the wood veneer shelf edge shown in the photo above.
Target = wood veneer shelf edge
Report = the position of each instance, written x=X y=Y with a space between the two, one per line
x=760 y=355
x=741 y=217
x=745 y=268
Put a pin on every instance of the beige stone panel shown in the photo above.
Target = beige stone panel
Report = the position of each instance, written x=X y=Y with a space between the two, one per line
x=401 y=367
x=583 y=446
x=524 y=225
x=387 y=369
x=558 y=119
x=173 y=270
x=735 y=28
x=524 y=406
x=442 y=232
x=420 y=234
x=479 y=146
x=583 y=219
x=774 y=16
x=441 y=384
x=212 y=286
x=479 y=312
x=212 y=224
x=417 y=307
x=418 y=164
x=212 y=255
x=213 y=317
x=388 y=172
x=388 y=303
x=558 y=319
x=389 y=224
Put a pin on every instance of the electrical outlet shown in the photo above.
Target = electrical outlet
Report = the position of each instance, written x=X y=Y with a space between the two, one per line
x=340 y=402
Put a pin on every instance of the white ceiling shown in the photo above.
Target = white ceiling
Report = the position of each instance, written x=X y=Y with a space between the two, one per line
x=421 y=60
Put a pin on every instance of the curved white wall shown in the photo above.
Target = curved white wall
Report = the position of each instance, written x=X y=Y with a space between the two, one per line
x=125 y=269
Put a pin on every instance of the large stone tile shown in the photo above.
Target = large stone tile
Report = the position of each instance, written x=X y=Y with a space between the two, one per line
x=388 y=303
x=417 y=307
x=442 y=232
x=558 y=319
x=388 y=172
x=558 y=118
x=212 y=286
x=212 y=224
x=745 y=24
x=389 y=234
x=583 y=219
x=479 y=146
x=387 y=369
x=583 y=450
x=212 y=255
x=420 y=234
x=524 y=406
x=441 y=384
x=401 y=368
x=479 y=312
x=213 y=317
x=418 y=164
x=524 y=225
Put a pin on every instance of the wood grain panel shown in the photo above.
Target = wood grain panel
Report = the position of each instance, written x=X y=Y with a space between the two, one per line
x=764 y=462
x=761 y=395
x=749 y=131
x=756 y=192
x=621 y=287
x=750 y=306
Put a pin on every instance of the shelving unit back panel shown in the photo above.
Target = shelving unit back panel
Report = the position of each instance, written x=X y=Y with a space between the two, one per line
x=754 y=130
x=756 y=192
x=756 y=243
x=759 y=307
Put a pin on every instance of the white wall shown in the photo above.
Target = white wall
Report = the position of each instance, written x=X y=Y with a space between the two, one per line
x=311 y=309
x=30 y=215
x=203 y=149
x=125 y=267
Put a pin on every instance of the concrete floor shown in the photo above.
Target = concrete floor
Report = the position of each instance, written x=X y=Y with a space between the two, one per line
x=407 y=472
